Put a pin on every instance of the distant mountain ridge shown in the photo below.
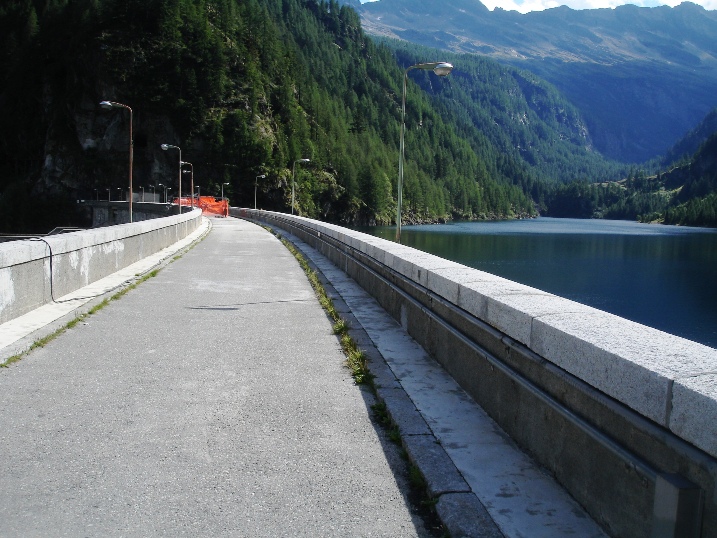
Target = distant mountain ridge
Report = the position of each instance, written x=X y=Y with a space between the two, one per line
x=642 y=77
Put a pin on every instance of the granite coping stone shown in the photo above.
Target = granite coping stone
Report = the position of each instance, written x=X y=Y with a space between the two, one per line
x=631 y=362
x=696 y=397
x=447 y=282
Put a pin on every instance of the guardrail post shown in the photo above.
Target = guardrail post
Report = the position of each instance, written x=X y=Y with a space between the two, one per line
x=678 y=508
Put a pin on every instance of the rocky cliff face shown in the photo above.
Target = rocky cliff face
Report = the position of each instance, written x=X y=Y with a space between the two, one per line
x=89 y=152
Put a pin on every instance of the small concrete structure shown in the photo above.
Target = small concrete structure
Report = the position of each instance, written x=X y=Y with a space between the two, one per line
x=106 y=213
x=37 y=271
x=624 y=416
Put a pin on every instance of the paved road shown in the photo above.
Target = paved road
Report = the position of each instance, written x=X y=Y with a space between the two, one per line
x=212 y=401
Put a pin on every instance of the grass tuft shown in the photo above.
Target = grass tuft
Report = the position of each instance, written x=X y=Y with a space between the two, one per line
x=356 y=359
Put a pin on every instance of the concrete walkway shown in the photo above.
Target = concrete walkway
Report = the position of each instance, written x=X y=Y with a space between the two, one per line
x=211 y=401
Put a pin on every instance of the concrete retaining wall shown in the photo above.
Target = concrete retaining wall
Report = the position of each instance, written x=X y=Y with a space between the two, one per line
x=624 y=416
x=32 y=272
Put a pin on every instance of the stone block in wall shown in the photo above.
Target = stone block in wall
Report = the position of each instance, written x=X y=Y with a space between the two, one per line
x=696 y=397
x=631 y=362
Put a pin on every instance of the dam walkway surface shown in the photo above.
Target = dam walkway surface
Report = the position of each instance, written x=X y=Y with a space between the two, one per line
x=214 y=400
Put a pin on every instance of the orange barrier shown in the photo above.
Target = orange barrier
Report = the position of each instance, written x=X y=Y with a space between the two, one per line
x=208 y=204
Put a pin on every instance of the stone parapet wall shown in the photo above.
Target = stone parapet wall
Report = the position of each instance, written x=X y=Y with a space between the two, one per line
x=33 y=272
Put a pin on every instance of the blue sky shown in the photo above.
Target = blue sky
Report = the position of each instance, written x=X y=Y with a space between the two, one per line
x=525 y=6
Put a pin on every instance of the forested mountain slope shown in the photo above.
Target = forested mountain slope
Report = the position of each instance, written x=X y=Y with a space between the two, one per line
x=683 y=193
x=247 y=88
x=641 y=77
x=520 y=121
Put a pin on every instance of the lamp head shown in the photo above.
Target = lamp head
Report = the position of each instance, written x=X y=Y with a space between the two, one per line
x=165 y=147
x=106 y=105
x=305 y=160
x=443 y=69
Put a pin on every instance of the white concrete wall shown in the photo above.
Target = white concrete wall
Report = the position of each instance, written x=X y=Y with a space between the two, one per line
x=79 y=258
x=667 y=379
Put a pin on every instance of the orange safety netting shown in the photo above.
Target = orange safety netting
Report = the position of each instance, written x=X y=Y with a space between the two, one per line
x=208 y=204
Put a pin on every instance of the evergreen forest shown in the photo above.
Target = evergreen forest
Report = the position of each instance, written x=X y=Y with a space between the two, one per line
x=249 y=88
x=683 y=193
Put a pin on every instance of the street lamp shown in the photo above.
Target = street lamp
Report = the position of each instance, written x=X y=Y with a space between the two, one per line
x=142 y=193
x=153 y=197
x=441 y=69
x=109 y=195
x=256 y=182
x=293 y=180
x=223 y=189
x=109 y=105
x=191 y=166
x=165 y=147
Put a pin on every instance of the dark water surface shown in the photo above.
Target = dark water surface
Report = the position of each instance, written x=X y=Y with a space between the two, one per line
x=661 y=276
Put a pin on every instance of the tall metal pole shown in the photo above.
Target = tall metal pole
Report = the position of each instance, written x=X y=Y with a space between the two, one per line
x=293 y=180
x=111 y=104
x=441 y=69
x=399 y=192
x=256 y=184
x=165 y=147
x=191 y=171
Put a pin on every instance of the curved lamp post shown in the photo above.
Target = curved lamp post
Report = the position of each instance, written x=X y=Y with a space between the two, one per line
x=223 y=189
x=256 y=182
x=190 y=171
x=165 y=147
x=293 y=180
x=441 y=69
x=109 y=105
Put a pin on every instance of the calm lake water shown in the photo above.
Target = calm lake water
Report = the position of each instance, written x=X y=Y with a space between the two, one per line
x=661 y=276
